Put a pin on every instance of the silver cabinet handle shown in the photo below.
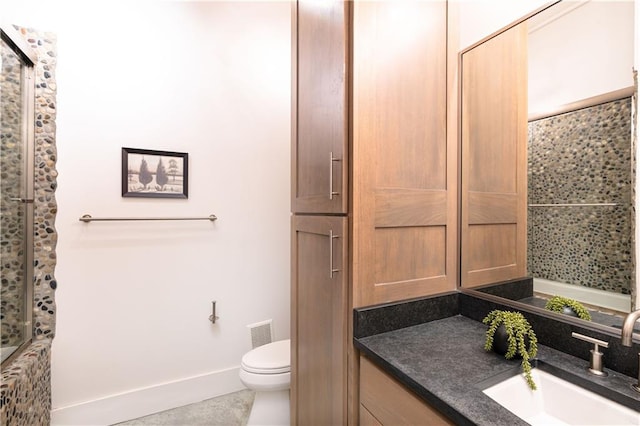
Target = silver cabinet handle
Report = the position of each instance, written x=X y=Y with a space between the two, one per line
x=332 y=159
x=332 y=270
x=21 y=200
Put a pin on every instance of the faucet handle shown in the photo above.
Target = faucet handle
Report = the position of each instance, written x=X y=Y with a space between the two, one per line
x=593 y=340
x=595 y=364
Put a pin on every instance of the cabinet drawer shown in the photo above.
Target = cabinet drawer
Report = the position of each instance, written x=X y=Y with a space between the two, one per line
x=390 y=403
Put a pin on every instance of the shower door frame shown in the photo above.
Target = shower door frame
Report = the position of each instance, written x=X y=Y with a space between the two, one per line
x=29 y=58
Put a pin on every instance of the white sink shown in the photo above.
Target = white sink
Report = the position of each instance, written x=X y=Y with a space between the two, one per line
x=558 y=402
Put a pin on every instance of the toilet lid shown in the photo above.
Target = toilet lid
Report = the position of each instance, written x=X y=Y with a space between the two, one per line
x=272 y=358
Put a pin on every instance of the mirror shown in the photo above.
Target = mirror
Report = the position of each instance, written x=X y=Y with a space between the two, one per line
x=580 y=176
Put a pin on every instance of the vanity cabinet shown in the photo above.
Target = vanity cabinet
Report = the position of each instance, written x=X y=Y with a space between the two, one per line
x=369 y=146
x=384 y=401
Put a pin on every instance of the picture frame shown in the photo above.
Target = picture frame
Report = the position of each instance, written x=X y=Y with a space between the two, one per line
x=155 y=174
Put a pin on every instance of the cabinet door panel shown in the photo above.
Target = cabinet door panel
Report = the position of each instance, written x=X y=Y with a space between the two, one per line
x=319 y=175
x=404 y=192
x=319 y=320
x=494 y=149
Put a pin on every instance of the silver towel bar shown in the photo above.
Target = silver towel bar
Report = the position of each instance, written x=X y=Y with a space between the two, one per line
x=88 y=218
x=573 y=205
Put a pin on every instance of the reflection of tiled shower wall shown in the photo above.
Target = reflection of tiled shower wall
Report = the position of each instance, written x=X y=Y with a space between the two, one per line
x=25 y=397
x=582 y=157
x=12 y=232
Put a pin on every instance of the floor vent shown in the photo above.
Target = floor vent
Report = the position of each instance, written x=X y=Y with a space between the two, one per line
x=261 y=333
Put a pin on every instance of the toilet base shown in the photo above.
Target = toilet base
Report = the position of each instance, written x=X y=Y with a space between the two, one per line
x=270 y=408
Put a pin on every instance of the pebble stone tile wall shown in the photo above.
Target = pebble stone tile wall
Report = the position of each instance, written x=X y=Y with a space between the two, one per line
x=25 y=391
x=582 y=157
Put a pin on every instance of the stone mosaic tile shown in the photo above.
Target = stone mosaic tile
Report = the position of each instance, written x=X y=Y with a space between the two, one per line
x=25 y=392
x=587 y=246
x=45 y=183
x=582 y=157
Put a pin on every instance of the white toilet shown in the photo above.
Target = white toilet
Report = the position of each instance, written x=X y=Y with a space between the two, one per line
x=267 y=370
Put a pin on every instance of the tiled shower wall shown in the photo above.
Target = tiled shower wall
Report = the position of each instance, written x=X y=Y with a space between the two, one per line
x=25 y=390
x=582 y=157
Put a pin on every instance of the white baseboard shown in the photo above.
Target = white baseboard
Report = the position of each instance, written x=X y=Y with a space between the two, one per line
x=606 y=299
x=144 y=401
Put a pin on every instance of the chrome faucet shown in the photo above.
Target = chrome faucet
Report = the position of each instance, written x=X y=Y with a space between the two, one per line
x=627 y=338
x=627 y=327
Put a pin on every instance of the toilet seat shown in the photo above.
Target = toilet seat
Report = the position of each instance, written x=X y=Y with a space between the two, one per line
x=272 y=358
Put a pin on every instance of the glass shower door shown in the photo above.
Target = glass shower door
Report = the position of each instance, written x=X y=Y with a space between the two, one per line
x=16 y=183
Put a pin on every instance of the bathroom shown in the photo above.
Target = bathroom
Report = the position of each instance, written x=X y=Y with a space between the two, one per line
x=123 y=334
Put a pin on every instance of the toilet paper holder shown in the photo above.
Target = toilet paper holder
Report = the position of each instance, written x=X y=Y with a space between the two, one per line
x=213 y=316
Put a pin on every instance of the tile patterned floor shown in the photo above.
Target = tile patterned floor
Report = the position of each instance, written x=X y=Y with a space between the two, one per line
x=226 y=410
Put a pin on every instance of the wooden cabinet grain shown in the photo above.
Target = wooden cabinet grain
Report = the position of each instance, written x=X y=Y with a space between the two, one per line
x=320 y=122
x=384 y=401
x=494 y=159
x=319 y=305
x=404 y=185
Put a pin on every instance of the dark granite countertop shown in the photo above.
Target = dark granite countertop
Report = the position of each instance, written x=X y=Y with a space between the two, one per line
x=444 y=362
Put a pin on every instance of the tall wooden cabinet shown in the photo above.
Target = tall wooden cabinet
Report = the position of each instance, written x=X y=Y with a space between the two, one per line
x=320 y=291
x=374 y=182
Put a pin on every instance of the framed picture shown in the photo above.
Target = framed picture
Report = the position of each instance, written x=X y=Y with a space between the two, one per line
x=154 y=174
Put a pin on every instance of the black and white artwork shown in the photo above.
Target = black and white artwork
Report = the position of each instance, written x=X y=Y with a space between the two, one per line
x=154 y=174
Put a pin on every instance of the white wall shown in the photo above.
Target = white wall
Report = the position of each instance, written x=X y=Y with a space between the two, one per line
x=481 y=18
x=584 y=53
x=208 y=78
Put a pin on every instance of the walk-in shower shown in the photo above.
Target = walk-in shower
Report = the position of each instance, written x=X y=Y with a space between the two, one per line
x=17 y=123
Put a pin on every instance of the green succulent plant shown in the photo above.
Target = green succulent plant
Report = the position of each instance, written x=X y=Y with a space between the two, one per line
x=517 y=328
x=557 y=303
